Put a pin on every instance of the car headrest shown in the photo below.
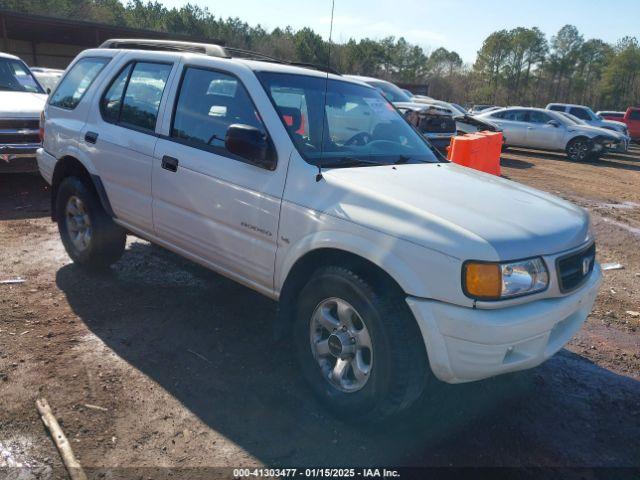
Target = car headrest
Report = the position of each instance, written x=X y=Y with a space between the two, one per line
x=292 y=117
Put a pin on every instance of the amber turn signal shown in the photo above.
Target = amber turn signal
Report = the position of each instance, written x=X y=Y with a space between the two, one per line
x=482 y=280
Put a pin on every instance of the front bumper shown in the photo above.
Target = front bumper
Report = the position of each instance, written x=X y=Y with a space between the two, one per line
x=465 y=344
x=18 y=158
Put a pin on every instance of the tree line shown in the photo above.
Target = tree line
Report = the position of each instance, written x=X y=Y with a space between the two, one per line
x=513 y=67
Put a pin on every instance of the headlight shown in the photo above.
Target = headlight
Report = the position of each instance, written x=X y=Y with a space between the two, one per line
x=496 y=281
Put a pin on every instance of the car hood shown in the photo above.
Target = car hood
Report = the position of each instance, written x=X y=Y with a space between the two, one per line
x=21 y=104
x=456 y=210
x=613 y=123
x=593 y=131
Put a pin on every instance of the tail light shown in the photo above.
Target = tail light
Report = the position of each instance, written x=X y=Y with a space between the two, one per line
x=41 y=127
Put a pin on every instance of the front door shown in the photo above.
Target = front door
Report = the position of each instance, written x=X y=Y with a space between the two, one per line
x=541 y=133
x=207 y=202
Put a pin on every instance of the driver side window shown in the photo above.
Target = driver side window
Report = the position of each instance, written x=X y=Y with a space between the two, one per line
x=538 y=117
x=581 y=113
x=208 y=103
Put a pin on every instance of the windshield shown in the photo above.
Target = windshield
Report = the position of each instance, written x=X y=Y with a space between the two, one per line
x=48 y=80
x=16 y=77
x=390 y=91
x=355 y=125
x=571 y=119
x=461 y=110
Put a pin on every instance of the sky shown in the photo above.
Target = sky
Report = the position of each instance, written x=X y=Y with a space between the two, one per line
x=459 y=25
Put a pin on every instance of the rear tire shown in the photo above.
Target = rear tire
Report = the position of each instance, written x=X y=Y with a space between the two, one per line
x=89 y=235
x=358 y=346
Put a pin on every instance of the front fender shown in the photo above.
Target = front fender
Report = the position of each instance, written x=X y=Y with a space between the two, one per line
x=380 y=255
x=418 y=270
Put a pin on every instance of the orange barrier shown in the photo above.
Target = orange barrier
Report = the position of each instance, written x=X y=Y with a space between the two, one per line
x=480 y=151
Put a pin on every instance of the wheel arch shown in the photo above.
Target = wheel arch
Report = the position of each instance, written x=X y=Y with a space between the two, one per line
x=69 y=165
x=580 y=136
x=303 y=267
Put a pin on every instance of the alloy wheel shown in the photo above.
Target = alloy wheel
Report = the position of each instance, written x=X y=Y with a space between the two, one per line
x=341 y=345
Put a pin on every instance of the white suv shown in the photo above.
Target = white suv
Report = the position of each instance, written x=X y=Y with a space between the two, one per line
x=391 y=265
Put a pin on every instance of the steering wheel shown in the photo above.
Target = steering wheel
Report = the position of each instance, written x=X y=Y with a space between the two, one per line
x=360 y=139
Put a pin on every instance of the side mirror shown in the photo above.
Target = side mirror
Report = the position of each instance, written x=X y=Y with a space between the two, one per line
x=250 y=143
x=553 y=123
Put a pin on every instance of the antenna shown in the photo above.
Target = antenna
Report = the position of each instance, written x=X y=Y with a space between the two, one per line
x=326 y=87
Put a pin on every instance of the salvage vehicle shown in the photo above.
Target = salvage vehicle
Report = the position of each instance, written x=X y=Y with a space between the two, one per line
x=621 y=137
x=48 y=77
x=476 y=109
x=21 y=102
x=587 y=115
x=392 y=267
x=435 y=123
x=611 y=115
x=632 y=121
x=549 y=130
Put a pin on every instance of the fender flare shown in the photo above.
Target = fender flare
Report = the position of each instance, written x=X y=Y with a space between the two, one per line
x=85 y=162
x=353 y=244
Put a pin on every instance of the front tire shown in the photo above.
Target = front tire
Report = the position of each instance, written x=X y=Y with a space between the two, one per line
x=359 y=346
x=89 y=235
x=579 y=149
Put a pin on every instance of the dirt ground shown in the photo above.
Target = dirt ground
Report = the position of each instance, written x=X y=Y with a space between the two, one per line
x=184 y=369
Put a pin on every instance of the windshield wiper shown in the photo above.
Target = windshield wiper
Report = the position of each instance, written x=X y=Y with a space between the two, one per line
x=348 y=161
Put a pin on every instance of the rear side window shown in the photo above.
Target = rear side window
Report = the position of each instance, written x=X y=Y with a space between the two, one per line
x=207 y=104
x=538 y=117
x=133 y=98
x=557 y=108
x=112 y=99
x=634 y=115
x=77 y=81
x=581 y=113
x=515 y=115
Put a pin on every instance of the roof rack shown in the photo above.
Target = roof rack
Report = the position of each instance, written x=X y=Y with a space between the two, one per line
x=209 y=49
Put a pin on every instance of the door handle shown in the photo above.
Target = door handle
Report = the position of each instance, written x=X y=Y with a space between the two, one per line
x=91 y=137
x=170 y=163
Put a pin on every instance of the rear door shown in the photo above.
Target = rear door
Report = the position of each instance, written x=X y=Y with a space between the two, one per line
x=121 y=133
x=208 y=203
x=514 y=126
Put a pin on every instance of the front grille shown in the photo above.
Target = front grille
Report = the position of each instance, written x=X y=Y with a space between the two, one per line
x=575 y=268
x=19 y=123
x=437 y=124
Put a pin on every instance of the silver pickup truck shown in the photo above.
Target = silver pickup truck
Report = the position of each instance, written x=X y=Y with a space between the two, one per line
x=21 y=102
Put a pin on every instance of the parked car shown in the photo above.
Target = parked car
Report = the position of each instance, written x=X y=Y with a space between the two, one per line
x=550 y=130
x=432 y=121
x=476 y=109
x=611 y=115
x=391 y=266
x=465 y=123
x=622 y=138
x=48 y=77
x=632 y=120
x=587 y=115
x=21 y=101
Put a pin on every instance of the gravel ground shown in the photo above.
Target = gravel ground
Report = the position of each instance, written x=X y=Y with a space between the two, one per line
x=184 y=368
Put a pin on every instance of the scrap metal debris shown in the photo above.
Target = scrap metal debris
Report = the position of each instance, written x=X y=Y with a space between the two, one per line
x=612 y=266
